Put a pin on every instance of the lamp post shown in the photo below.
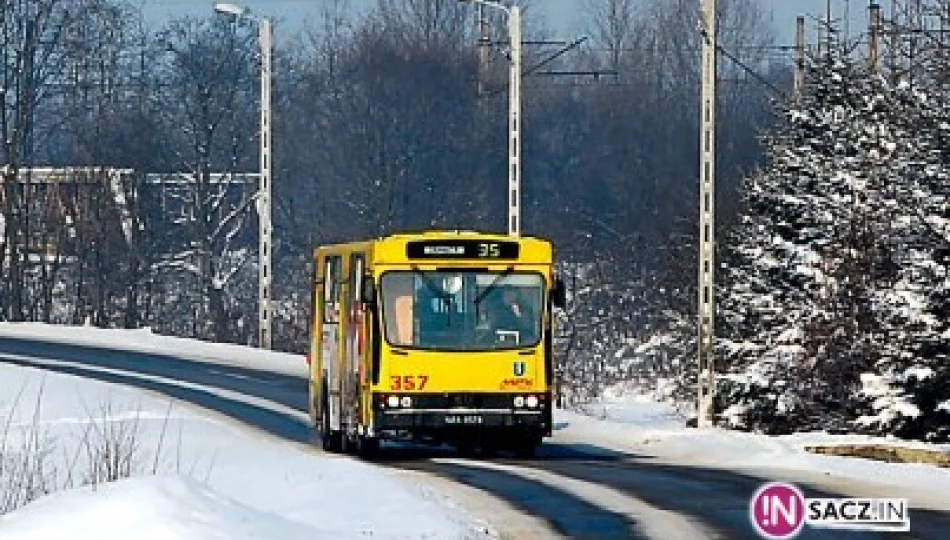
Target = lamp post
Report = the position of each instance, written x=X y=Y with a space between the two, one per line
x=514 y=115
x=265 y=276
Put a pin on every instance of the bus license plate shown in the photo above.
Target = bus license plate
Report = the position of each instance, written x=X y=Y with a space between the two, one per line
x=456 y=419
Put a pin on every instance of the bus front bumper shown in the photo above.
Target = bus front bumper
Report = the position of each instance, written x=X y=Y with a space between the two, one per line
x=451 y=419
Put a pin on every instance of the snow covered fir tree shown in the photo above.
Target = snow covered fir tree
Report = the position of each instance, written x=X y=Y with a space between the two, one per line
x=834 y=307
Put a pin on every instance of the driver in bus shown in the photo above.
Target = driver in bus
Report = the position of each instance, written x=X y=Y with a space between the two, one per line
x=514 y=313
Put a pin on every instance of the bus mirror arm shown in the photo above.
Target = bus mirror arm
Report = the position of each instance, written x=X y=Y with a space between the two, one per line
x=368 y=292
x=558 y=294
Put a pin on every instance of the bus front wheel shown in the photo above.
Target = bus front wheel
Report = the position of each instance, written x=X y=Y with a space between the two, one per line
x=367 y=447
x=526 y=448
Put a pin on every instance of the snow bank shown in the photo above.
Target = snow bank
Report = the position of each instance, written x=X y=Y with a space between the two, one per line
x=215 y=478
x=155 y=508
x=637 y=425
x=143 y=340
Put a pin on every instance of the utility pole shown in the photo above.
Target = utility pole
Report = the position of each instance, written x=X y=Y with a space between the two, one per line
x=514 y=140
x=874 y=52
x=706 y=375
x=265 y=276
x=799 y=55
x=484 y=46
x=892 y=48
x=828 y=27
x=913 y=28
x=514 y=112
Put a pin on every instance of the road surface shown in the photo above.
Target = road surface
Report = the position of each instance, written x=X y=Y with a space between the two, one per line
x=570 y=490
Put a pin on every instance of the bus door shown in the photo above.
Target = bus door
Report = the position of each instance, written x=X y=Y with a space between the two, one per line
x=315 y=319
x=353 y=345
x=329 y=350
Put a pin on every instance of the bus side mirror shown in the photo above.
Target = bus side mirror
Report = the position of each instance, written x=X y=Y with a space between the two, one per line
x=558 y=294
x=368 y=292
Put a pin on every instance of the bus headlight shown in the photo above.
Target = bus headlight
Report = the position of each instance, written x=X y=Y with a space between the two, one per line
x=519 y=401
x=392 y=401
x=531 y=401
x=406 y=401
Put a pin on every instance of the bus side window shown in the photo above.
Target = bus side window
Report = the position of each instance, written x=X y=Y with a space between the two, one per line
x=332 y=289
x=399 y=302
x=356 y=284
x=356 y=277
x=316 y=288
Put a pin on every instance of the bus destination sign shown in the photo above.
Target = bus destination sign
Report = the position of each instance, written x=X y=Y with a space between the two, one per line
x=462 y=249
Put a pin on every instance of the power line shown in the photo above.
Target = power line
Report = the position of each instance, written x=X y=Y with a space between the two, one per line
x=533 y=70
x=768 y=84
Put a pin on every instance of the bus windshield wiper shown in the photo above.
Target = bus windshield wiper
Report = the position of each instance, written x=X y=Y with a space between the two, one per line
x=439 y=292
x=491 y=286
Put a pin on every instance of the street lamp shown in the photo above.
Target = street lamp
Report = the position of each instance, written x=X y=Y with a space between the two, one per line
x=514 y=119
x=231 y=9
x=265 y=276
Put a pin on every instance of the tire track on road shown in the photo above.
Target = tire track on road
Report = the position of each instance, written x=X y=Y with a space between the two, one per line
x=270 y=419
x=589 y=501
x=717 y=498
x=280 y=409
x=287 y=390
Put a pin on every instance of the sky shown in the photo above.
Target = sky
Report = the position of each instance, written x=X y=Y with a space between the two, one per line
x=562 y=15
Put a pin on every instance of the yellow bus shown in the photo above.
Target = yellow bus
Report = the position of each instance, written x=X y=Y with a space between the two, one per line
x=436 y=337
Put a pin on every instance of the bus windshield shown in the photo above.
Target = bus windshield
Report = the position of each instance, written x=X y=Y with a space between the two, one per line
x=462 y=311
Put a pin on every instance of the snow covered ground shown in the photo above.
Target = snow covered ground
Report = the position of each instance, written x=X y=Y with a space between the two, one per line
x=201 y=475
x=212 y=478
x=198 y=475
x=143 y=340
x=640 y=426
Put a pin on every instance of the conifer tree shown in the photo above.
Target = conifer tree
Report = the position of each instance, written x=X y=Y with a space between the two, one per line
x=908 y=392
x=797 y=309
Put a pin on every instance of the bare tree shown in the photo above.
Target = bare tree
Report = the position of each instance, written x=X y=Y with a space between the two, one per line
x=31 y=63
x=208 y=101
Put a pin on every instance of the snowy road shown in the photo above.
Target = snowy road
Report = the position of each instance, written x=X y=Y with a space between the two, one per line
x=573 y=490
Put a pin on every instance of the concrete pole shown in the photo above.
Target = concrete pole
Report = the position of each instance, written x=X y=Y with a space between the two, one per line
x=874 y=52
x=799 y=55
x=514 y=139
x=484 y=46
x=265 y=275
x=706 y=372
x=892 y=47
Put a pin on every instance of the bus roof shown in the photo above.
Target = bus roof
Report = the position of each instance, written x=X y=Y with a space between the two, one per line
x=457 y=246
